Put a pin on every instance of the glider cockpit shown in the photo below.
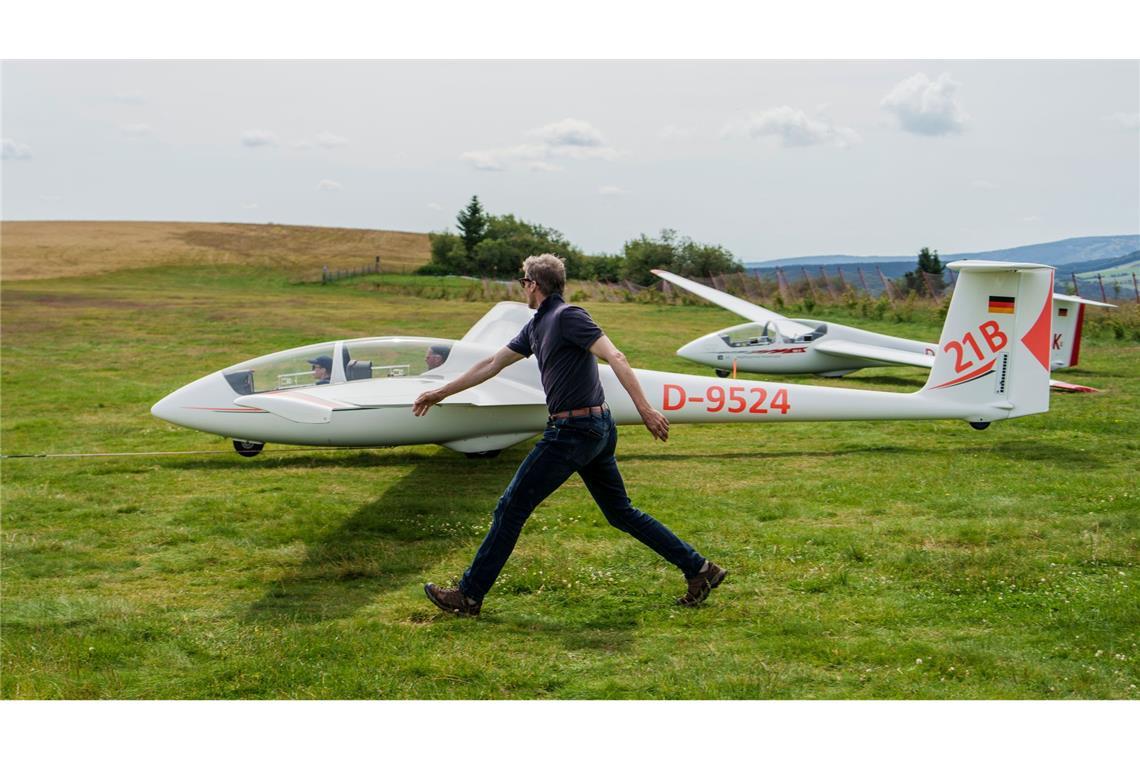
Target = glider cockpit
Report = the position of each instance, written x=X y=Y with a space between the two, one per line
x=338 y=362
x=772 y=331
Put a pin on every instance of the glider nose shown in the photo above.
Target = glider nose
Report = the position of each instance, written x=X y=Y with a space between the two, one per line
x=189 y=403
x=695 y=350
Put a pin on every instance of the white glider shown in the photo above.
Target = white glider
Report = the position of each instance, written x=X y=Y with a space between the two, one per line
x=992 y=363
x=774 y=344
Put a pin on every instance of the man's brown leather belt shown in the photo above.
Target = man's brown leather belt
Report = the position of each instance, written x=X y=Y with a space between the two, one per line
x=585 y=411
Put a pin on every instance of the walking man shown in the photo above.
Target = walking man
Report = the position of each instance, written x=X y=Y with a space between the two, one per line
x=580 y=437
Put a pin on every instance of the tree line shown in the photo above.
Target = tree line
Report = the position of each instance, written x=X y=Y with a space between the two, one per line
x=487 y=245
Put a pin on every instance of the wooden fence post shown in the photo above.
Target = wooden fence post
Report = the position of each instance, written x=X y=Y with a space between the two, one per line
x=1100 y=279
x=839 y=271
x=782 y=284
x=811 y=285
x=827 y=284
x=890 y=291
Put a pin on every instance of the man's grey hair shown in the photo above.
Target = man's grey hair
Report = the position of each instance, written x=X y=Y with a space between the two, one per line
x=548 y=271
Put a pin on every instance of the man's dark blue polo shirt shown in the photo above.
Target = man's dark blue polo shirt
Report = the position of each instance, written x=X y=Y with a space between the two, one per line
x=560 y=336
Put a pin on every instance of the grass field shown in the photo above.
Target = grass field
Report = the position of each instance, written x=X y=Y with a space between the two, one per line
x=38 y=250
x=868 y=560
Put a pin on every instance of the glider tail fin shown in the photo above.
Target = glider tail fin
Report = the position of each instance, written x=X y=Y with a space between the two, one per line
x=1068 y=319
x=994 y=352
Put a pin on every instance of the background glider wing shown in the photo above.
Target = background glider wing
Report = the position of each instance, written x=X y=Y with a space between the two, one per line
x=846 y=348
x=1085 y=301
x=746 y=309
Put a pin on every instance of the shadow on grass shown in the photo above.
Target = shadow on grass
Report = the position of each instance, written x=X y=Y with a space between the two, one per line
x=608 y=629
x=391 y=541
x=283 y=458
x=1039 y=451
x=755 y=454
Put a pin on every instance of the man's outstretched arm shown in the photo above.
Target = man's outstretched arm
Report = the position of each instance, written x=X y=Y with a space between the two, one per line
x=480 y=372
x=604 y=349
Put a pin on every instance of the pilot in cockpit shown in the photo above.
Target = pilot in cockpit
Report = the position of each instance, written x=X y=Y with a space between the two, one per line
x=436 y=355
x=322 y=369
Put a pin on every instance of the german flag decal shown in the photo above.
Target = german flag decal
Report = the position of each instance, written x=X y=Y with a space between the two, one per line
x=1001 y=304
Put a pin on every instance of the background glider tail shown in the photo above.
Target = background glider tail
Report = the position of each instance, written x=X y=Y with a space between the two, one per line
x=995 y=345
x=1068 y=319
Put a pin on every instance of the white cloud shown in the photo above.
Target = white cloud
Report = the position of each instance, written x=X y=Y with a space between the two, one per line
x=610 y=190
x=14 y=151
x=258 y=138
x=329 y=185
x=136 y=130
x=483 y=160
x=1031 y=219
x=569 y=138
x=673 y=132
x=249 y=205
x=129 y=98
x=329 y=140
x=302 y=145
x=925 y=107
x=794 y=129
x=983 y=184
x=435 y=207
x=1126 y=120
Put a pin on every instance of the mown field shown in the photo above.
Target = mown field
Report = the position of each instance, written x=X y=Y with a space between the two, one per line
x=39 y=250
x=867 y=560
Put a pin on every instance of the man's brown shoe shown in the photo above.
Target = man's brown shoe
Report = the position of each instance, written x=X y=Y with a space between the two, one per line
x=452 y=600
x=701 y=584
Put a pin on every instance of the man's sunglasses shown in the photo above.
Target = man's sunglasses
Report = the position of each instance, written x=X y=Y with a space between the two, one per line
x=524 y=280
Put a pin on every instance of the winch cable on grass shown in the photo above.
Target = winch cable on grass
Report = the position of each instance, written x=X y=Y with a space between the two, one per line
x=174 y=453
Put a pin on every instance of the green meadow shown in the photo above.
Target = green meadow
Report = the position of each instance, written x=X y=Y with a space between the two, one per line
x=877 y=560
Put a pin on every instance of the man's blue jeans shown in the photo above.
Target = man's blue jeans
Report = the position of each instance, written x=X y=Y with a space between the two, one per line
x=577 y=444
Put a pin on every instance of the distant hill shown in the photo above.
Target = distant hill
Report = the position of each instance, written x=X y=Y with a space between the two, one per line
x=838 y=259
x=38 y=250
x=1098 y=265
x=1056 y=253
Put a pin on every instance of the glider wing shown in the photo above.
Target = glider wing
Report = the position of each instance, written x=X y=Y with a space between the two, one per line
x=746 y=309
x=851 y=349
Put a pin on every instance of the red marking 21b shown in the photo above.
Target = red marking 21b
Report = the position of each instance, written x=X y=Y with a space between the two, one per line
x=736 y=399
x=992 y=336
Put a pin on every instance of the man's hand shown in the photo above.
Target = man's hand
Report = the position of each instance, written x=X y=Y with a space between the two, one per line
x=426 y=401
x=656 y=422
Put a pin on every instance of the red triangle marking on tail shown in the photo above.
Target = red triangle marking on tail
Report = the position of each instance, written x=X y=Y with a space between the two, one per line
x=1037 y=339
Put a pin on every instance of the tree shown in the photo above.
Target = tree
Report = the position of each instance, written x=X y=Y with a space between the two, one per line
x=603 y=268
x=645 y=253
x=682 y=256
x=472 y=223
x=699 y=260
x=929 y=270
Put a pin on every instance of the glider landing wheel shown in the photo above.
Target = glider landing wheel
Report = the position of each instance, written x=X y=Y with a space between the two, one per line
x=979 y=425
x=723 y=373
x=483 y=454
x=248 y=448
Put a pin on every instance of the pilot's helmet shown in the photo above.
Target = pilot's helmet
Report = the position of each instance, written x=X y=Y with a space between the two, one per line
x=322 y=361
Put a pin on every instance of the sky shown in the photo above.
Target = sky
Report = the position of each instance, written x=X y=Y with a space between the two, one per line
x=768 y=158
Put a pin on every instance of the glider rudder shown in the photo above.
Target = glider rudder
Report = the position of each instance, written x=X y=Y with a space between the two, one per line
x=995 y=346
